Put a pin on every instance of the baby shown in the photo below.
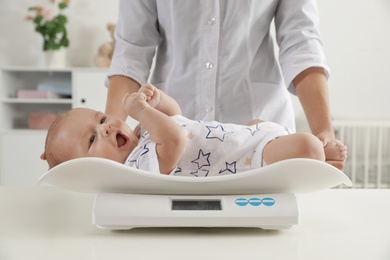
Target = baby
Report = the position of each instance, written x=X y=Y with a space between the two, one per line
x=168 y=143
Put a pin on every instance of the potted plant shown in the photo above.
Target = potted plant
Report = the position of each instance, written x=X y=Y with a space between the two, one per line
x=51 y=24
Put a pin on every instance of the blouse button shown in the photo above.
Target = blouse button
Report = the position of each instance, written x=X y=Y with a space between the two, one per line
x=209 y=65
x=211 y=21
x=208 y=108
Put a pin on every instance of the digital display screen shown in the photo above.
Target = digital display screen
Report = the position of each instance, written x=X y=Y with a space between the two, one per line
x=196 y=205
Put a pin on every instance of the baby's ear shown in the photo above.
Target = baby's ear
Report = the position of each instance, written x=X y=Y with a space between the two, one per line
x=43 y=156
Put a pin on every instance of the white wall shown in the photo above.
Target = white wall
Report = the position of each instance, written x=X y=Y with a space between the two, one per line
x=357 y=42
x=355 y=33
x=356 y=37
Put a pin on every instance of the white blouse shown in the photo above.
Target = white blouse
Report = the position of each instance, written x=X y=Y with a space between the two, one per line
x=216 y=57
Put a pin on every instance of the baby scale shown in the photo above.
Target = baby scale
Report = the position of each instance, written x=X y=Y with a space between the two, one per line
x=128 y=198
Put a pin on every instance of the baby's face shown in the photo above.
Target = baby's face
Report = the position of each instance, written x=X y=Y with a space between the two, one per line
x=89 y=133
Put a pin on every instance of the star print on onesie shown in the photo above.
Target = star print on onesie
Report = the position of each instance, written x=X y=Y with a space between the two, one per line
x=143 y=150
x=212 y=148
x=216 y=132
x=230 y=168
x=200 y=173
x=254 y=131
x=144 y=154
x=202 y=160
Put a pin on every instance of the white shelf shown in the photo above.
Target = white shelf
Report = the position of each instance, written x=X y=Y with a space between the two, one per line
x=37 y=101
x=19 y=143
x=44 y=69
x=16 y=132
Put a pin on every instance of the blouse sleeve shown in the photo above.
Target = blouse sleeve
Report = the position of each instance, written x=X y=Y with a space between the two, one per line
x=136 y=37
x=298 y=37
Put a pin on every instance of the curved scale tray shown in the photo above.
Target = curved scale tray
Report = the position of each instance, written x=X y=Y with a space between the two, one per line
x=93 y=175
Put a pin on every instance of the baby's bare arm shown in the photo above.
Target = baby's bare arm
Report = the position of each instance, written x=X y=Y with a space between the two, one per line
x=169 y=137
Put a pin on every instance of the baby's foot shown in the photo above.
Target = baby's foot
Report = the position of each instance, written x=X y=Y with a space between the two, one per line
x=335 y=153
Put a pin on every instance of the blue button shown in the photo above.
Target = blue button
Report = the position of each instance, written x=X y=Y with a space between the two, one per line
x=241 y=202
x=255 y=202
x=268 y=202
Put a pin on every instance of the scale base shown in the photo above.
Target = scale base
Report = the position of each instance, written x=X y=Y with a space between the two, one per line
x=116 y=211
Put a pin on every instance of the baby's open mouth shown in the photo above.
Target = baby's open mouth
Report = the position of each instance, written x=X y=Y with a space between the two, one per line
x=121 y=140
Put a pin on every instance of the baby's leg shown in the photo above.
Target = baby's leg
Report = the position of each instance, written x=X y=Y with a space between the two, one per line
x=298 y=145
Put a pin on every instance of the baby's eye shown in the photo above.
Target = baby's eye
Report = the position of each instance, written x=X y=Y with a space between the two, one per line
x=91 y=140
x=103 y=120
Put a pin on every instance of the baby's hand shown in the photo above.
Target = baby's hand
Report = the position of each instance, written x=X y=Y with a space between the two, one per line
x=152 y=94
x=135 y=103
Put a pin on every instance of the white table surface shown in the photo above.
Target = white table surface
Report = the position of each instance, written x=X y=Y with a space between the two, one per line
x=48 y=223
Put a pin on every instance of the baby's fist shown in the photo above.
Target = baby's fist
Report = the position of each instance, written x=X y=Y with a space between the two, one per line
x=152 y=94
x=134 y=103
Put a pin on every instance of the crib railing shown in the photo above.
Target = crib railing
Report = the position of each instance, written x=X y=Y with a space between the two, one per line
x=368 y=142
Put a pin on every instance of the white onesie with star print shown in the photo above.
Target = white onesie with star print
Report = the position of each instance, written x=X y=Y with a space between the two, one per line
x=212 y=148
